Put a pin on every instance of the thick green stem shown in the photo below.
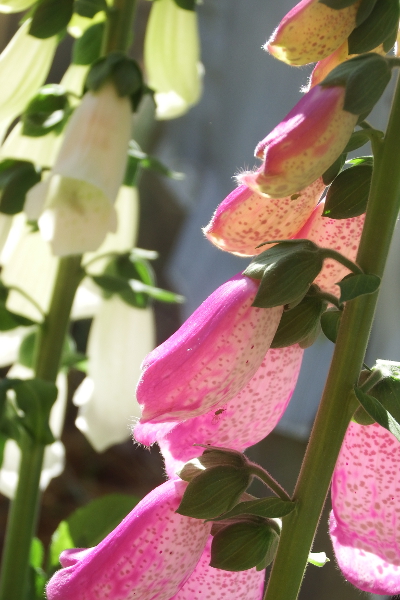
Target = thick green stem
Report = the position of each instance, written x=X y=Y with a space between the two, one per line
x=24 y=508
x=118 y=36
x=338 y=403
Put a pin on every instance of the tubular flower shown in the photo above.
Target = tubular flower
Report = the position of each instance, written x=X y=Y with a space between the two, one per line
x=210 y=358
x=149 y=555
x=246 y=218
x=342 y=235
x=311 y=31
x=18 y=85
x=172 y=55
x=75 y=204
x=207 y=583
x=243 y=421
x=303 y=145
x=365 y=521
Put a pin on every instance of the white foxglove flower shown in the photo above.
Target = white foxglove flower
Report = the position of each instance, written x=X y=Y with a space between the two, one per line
x=74 y=204
x=172 y=58
x=54 y=454
x=106 y=398
x=11 y=6
x=24 y=65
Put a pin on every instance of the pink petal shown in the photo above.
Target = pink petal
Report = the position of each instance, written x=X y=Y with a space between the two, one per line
x=342 y=235
x=148 y=556
x=210 y=358
x=311 y=31
x=207 y=583
x=302 y=147
x=246 y=218
x=246 y=419
x=365 y=524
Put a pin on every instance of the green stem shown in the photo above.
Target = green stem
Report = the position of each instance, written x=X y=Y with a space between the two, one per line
x=24 y=508
x=266 y=478
x=338 y=404
x=329 y=253
x=118 y=35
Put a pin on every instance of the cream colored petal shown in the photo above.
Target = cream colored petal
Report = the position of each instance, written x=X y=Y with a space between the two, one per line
x=74 y=78
x=106 y=399
x=9 y=345
x=11 y=6
x=39 y=150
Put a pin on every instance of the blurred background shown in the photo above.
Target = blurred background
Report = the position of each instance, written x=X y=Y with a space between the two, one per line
x=246 y=93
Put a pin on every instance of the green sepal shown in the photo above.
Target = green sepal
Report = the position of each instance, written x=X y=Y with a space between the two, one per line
x=347 y=196
x=10 y=320
x=301 y=324
x=50 y=17
x=366 y=161
x=330 y=322
x=124 y=72
x=361 y=417
x=357 y=140
x=87 y=49
x=186 y=4
x=318 y=559
x=378 y=412
x=214 y=491
x=359 y=284
x=364 y=10
x=217 y=457
x=387 y=390
x=48 y=111
x=377 y=27
x=334 y=169
x=244 y=545
x=137 y=159
x=35 y=397
x=16 y=179
x=369 y=72
x=89 y=8
x=262 y=507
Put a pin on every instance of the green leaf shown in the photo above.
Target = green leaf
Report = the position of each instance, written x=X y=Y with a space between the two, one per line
x=186 y=4
x=89 y=8
x=375 y=409
x=376 y=28
x=213 y=492
x=338 y=4
x=348 y=195
x=366 y=161
x=87 y=48
x=35 y=397
x=334 y=169
x=51 y=17
x=48 y=111
x=387 y=390
x=16 y=178
x=361 y=417
x=364 y=10
x=319 y=559
x=61 y=540
x=10 y=320
x=156 y=293
x=36 y=577
x=357 y=140
x=244 y=545
x=353 y=286
x=330 y=322
x=298 y=323
x=262 y=507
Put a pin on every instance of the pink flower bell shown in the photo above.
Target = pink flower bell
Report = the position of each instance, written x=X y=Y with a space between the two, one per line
x=210 y=358
x=365 y=521
x=302 y=147
x=342 y=235
x=246 y=218
x=311 y=31
x=243 y=421
x=148 y=556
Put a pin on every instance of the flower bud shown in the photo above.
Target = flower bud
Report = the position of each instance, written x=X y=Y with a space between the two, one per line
x=311 y=31
x=172 y=55
x=302 y=147
x=246 y=218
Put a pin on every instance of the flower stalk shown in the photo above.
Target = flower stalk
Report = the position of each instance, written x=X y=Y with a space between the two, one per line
x=338 y=402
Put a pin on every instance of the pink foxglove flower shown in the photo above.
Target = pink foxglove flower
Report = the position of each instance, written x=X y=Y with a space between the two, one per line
x=207 y=583
x=149 y=555
x=210 y=358
x=365 y=521
x=303 y=145
x=311 y=31
x=243 y=421
x=247 y=218
x=342 y=235
x=74 y=204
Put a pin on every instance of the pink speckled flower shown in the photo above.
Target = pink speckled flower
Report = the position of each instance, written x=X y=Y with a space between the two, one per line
x=210 y=358
x=342 y=235
x=246 y=218
x=243 y=421
x=365 y=521
x=303 y=145
x=148 y=556
x=311 y=31
x=207 y=583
